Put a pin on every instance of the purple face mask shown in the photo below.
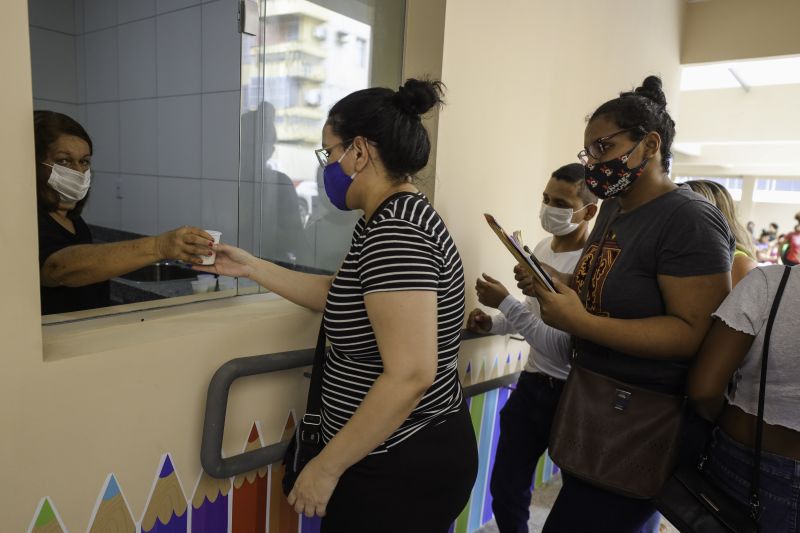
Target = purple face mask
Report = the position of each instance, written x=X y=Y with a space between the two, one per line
x=609 y=178
x=337 y=182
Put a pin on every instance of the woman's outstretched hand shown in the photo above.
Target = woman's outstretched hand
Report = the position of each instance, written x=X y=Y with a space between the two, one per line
x=230 y=261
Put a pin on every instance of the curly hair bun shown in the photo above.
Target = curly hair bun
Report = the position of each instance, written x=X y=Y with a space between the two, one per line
x=652 y=88
x=417 y=97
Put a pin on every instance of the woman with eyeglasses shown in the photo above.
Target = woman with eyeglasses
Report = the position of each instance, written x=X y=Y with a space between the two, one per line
x=664 y=267
x=400 y=452
x=74 y=272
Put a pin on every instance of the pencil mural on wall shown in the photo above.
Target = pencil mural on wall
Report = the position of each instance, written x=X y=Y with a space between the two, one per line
x=111 y=514
x=46 y=519
x=249 y=513
x=166 y=509
x=254 y=502
x=282 y=518
x=210 y=508
x=485 y=441
x=502 y=397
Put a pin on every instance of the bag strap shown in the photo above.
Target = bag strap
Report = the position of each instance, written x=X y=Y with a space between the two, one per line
x=754 y=502
x=314 y=402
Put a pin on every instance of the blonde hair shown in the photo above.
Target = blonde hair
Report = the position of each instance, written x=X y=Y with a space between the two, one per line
x=721 y=198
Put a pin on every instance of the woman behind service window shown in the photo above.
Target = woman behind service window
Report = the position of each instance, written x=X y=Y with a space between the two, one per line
x=400 y=451
x=74 y=273
x=667 y=259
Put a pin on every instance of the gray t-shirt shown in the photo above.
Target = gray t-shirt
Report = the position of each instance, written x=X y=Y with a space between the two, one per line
x=746 y=309
x=676 y=234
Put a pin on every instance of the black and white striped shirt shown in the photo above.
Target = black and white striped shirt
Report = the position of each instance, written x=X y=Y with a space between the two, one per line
x=404 y=247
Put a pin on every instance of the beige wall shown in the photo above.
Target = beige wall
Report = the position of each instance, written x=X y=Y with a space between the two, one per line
x=521 y=81
x=112 y=395
x=723 y=30
x=423 y=55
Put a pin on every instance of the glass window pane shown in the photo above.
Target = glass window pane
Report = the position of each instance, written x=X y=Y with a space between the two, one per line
x=306 y=57
x=733 y=184
x=159 y=95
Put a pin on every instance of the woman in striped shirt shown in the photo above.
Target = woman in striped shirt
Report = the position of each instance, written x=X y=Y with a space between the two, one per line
x=400 y=452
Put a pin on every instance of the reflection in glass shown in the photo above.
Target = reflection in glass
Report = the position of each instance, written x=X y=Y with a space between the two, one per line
x=303 y=60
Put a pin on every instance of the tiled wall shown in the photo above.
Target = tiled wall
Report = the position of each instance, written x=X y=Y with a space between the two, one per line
x=156 y=84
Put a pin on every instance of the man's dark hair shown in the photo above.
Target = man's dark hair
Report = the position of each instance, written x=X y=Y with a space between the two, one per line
x=575 y=173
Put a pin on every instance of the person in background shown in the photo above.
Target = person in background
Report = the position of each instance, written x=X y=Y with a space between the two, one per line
x=724 y=387
x=766 y=249
x=744 y=258
x=772 y=230
x=791 y=242
x=400 y=452
x=74 y=272
x=667 y=267
x=567 y=207
x=751 y=230
x=274 y=206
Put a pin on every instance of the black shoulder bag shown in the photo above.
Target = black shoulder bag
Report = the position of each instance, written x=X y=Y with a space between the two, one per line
x=691 y=501
x=307 y=442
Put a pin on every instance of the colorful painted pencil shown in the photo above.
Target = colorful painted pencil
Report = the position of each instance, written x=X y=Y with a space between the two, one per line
x=249 y=514
x=165 y=511
x=476 y=415
x=46 y=519
x=282 y=518
x=484 y=454
x=310 y=525
x=210 y=505
x=502 y=397
x=111 y=513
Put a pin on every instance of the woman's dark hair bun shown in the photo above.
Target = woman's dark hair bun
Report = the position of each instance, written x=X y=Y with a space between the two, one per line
x=417 y=97
x=652 y=88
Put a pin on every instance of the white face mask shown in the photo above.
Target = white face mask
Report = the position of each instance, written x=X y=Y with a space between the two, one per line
x=71 y=185
x=558 y=220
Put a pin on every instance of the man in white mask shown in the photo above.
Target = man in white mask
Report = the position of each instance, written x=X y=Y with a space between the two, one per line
x=567 y=207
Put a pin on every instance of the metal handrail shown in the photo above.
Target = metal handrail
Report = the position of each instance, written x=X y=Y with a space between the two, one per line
x=217 y=405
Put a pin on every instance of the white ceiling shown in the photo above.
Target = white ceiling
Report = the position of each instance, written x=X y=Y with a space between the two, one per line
x=748 y=126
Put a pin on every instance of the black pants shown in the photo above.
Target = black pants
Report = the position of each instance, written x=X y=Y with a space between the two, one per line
x=524 y=432
x=584 y=507
x=421 y=485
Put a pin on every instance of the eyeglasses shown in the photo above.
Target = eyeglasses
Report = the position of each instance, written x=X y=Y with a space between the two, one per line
x=325 y=152
x=598 y=147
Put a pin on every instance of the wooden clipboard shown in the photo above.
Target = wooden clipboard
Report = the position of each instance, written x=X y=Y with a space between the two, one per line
x=529 y=260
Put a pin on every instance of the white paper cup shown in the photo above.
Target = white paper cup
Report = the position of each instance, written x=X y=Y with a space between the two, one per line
x=217 y=236
x=199 y=286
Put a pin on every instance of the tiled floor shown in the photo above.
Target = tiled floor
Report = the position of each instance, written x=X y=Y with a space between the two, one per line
x=541 y=503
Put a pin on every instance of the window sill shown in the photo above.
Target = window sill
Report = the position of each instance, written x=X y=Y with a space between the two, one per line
x=163 y=329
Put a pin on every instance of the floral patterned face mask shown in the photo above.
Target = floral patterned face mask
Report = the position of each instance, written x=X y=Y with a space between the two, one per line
x=609 y=178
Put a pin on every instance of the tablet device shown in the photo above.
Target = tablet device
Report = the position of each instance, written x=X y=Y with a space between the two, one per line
x=516 y=249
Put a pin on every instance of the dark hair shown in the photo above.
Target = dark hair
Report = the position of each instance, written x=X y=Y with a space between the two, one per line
x=390 y=119
x=645 y=107
x=575 y=173
x=48 y=126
